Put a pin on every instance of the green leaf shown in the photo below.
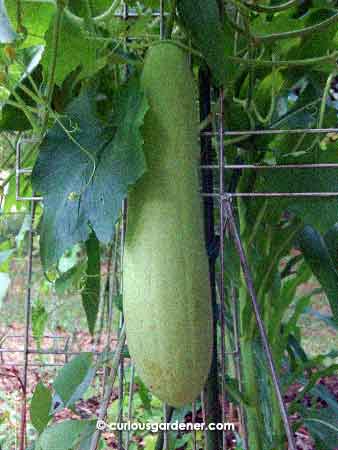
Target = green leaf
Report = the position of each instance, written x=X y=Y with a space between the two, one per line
x=70 y=280
x=273 y=82
x=67 y=435
x=78 y=7
x=22 y=233
x=70 y=259
x=36 y=16
x=118 y=301
x=39 y=321
x=264 y=386
x=74 y=378
x=323 y=427
x=317 y=256
x=144 y=393
x=282 y=22
x=316 y=43
x=214 y=40
x=91 y=291
x=322 y=213
x=40 y=407
x=64 y=169
x=324 y=393
x=232 y=389
x=7 y=34
x=75 y=48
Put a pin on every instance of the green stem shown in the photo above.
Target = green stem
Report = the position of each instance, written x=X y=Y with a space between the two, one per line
x=40 y=101
x=311 y=383
x=236 y=27
x=277 y=424
x=275 y=258
x=22 y=106
x=84 y=150
x=288 y=63
x=251 y=89
x=171 y=20
x=267 y=119
x=51 y=73
x=104 y=17
x=278 y=122
x=10 y=156
x=257 y=224
x=18 y=15
x=322 y=110
x=241 y=7
x=324 y=99
x=55 y=44
x=89 y=16
x=271 y=9
x=250 y=387
x=296 y=33
x=180 y=45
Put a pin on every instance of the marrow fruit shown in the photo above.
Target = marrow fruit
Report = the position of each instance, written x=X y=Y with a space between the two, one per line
x=166 y=291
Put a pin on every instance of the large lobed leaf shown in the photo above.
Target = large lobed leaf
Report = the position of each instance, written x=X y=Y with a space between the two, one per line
x=74 y=200
x=36 y=16
x=76 y=48
x=74 y=378
x=212 y=37
x=67 y=435
x=40 y=407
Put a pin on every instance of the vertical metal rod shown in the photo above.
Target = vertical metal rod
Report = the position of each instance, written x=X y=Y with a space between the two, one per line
x=130 y=402
x=249 y=282
x=204 y=417
x=238 y=368
x=193 y=419
x=120 y=394
x=27 y=326
x=17 y=168
x=109 y=387
x=125 y=11
x=122 y=235
x=17 y=423
x=111 y=286
x=162 y=30
x=53 y=324
x=160 y=437
x=222 y=297
x=121 y=322
x=165 y=433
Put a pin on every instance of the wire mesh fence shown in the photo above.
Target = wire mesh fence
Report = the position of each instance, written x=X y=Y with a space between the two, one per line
x=57 y=349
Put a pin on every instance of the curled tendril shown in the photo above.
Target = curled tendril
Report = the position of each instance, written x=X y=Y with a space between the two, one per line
x=271 y=9
x=76 y=195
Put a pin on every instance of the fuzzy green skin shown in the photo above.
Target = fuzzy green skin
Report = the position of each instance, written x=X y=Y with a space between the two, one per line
x=166 y=288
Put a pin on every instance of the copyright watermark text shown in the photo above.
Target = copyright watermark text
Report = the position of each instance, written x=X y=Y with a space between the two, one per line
x=155 y=427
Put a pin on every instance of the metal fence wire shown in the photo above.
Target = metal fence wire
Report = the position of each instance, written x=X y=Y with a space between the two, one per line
x=215 y=196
